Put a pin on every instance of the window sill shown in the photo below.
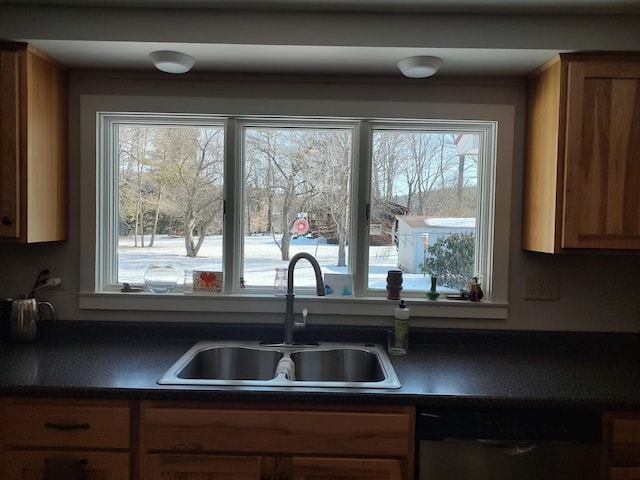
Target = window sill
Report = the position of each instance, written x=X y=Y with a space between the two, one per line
x=350 y=306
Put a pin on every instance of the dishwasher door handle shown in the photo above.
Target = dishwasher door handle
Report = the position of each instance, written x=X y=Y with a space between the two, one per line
x=509 y=448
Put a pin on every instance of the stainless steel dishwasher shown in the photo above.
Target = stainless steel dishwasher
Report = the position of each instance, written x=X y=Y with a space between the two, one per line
x=455 y=444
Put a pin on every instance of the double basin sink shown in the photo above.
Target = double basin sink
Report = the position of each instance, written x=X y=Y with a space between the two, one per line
x=337 y=365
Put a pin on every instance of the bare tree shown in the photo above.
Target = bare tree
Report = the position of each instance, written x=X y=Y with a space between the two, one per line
x=198 y=194
x=134 y=167
x=173 y=175
x=330 y=161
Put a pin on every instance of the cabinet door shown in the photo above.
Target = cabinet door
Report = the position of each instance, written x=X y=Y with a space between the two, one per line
x=45 y=193
x=33 y=145
x=602 y=145
x=625 y=441
x=172 y=466
x=310 y=468
x=387 y=432
x=26 y=465
x=620 y=473
x=9 y=144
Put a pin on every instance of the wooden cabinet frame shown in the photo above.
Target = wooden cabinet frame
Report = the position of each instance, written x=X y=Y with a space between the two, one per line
x=281 y=441
x=621 y=453
x=33 y=145
x=583 y=145
x=96 y=435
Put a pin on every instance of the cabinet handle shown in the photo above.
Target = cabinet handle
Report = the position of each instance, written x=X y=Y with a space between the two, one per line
x=67 y=428
x=6 y=221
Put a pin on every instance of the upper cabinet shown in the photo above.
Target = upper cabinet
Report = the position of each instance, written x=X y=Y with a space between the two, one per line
x=33 y=146
x=582 y=171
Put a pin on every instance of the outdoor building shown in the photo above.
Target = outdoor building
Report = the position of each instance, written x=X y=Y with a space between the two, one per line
x=415 y=234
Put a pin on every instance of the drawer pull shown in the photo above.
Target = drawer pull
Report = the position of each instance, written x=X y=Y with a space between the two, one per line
x=6 y=221
x=67 y=428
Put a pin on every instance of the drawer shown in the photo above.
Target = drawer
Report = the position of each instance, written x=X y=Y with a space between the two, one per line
x=67 y=424
x=625 y=441
x=277 y=431
x=94 y=465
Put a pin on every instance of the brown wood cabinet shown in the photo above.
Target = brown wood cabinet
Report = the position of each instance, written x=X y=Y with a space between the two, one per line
x=283 y=442
x=33 y=145
x=58 y=434
x=241 y=467
x=583 y=144
x=622 y=446
x=622 y=473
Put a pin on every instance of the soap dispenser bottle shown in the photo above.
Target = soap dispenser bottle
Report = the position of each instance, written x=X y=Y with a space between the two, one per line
x=400 y=342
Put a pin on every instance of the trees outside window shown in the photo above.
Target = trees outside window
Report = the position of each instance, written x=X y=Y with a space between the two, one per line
x=297 y=187
x=298 y=180
x=431 y=176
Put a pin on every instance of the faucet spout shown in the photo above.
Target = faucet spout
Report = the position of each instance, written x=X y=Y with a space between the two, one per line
x=288 y=318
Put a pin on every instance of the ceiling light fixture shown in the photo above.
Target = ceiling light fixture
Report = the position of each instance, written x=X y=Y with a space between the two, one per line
x=419 y=67
x=172 y=62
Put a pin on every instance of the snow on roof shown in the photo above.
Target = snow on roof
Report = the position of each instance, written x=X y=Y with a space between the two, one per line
x=417 y=221
x=467 y=144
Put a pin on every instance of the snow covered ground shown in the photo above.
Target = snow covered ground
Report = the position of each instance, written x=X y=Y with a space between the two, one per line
x=262 y=256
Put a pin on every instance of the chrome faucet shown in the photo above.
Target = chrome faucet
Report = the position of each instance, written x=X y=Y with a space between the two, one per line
x=288 y=318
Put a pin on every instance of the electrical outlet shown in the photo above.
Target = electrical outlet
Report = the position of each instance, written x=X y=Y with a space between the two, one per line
x=541 y=288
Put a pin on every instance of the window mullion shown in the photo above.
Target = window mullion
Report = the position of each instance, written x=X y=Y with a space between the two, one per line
x=107 y=210
x=233 y=231
x=361 y=192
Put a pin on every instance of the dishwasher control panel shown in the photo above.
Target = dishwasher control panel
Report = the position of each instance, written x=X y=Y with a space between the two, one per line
x=533 y=425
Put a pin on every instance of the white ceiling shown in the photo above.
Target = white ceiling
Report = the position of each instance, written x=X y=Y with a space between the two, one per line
x=293 y=59
x=84 y=38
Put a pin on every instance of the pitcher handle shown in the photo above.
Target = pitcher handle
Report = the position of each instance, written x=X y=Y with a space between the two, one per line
x=51 y=309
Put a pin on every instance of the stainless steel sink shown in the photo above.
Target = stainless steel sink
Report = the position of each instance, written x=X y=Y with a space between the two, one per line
x=231 y=363
x=337 y=365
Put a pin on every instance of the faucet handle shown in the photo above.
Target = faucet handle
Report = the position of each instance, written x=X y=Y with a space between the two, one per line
x=301 y=325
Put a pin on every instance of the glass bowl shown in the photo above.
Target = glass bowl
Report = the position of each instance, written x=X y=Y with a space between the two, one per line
x=160 y=278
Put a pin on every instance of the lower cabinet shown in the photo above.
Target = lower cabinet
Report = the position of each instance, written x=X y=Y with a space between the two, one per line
x=173 y=466
x=622 y=473
x=622 y=452
x=277 y=442
x=65 y=438
x=309 y=468
x=32 y=465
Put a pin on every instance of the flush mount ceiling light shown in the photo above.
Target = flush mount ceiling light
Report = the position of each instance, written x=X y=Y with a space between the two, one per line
x=419 y=67
x=172 y=62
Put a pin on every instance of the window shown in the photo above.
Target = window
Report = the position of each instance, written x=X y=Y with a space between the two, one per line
x=242 y=194
x=296 y=199
x=170 y=197
x=424 y=204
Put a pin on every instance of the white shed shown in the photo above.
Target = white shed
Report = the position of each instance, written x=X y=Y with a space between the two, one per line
x=415 y=234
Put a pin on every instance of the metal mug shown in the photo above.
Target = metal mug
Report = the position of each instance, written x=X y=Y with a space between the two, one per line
x=25 y=318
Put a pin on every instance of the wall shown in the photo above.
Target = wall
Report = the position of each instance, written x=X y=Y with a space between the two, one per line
x=593 y=296
x=597 y=292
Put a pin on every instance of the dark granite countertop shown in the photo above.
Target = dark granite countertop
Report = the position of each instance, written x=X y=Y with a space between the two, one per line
x=442 y=367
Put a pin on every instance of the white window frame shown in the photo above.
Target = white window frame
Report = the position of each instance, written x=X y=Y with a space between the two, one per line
x=310 y=123
x=486 y=179
x=495 y=122
x=107 y=182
